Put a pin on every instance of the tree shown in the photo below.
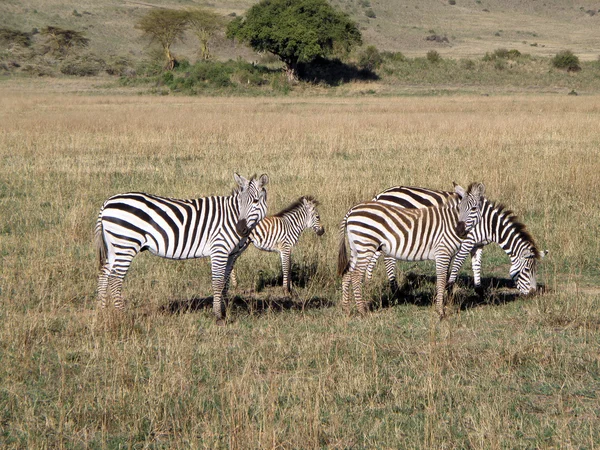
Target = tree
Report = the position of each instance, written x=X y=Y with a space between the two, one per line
x=204 y=25
x=165 y=26
x=61 y=41
x=295 y=30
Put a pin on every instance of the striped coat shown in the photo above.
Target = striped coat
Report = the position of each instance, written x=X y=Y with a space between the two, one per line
x=177 y=229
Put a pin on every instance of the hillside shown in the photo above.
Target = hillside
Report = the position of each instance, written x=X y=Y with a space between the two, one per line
x=472 y=27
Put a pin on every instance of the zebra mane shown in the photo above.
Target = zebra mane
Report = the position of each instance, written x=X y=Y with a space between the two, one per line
x=518 y=226
x=297 y=204
x=237 y=188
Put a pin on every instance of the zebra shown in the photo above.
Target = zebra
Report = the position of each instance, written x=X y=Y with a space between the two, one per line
x=280 y=233
x=216 y=226
x=522 y=251
x=409 y=234
x=500 y=225
x=418 y=197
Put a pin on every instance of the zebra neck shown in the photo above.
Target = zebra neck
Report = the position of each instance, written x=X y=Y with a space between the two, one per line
x=507 y=232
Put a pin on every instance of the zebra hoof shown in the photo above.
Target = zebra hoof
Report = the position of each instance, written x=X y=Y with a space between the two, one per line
x=221 y=322
x=480 y=291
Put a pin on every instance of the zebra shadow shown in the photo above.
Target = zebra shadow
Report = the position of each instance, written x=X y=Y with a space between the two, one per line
x=419 y=289
x=250 y=304
x=300 y=275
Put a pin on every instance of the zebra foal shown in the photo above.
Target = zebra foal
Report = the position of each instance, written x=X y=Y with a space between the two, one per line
x=433 y=233
x=216 y=226
x=281 y=232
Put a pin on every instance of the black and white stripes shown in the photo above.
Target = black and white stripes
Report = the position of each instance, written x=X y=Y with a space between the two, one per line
x=280 y=232
x=409 y=234
x=177 y=229
x=499 y=225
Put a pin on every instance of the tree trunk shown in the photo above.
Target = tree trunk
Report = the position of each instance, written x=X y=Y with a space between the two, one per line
x=291 y=71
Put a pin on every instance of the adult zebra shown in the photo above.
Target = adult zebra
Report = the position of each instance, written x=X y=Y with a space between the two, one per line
x=416 y=198
x=409 y=234
x=500 y=225
x=497 y=225
x=216 y=226
x=280 y=233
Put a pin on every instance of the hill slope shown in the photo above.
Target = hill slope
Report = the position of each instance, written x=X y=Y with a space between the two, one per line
x=472 y=27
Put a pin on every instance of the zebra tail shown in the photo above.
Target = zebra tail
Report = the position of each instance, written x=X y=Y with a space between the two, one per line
x=100 y=243
x=343 y=251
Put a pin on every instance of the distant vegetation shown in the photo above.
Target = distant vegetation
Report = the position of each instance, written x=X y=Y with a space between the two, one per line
x=294 y=52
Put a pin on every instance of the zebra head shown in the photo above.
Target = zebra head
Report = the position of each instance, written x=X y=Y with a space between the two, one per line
x=469 y=208
x=251 y=201
x=313 y=219
x=523 y=268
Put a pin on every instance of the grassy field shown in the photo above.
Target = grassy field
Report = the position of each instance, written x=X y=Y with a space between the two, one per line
x=502 y=372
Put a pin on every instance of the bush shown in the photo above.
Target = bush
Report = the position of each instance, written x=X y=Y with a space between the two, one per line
x=9 y=36
x=370 y=58
x=566 y=59
x=83 y=66
x=433 y=56
x=370 y=13
x=394 y=56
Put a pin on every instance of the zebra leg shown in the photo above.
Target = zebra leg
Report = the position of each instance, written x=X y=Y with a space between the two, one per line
x=103 y=285
x=233 y=278
x=441 y=268
x=285 y=255
x=371 y=265
x=346 y=282
x=476 y=253
x=219 y=264
x=390 y=270
x=115 y=287
x=358 y=275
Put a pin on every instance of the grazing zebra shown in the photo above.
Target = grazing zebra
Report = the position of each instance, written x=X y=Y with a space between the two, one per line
x=215 y=226
x=499 y=225
x=522 y=251
x=413 y=198
x=408 y=234
x=280 y=233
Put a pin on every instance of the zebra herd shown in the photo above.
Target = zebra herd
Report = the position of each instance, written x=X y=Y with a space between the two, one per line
x=402 y=223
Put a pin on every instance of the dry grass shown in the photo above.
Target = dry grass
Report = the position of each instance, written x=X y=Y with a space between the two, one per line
x=506 y=373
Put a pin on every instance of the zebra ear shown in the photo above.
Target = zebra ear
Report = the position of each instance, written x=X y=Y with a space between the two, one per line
x=264 y=179
x=240 y=180
x=479 y=189
x=528 y=254
x=459 y=190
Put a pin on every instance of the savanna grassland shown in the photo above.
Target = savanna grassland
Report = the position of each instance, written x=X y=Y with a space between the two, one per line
x=501 y=372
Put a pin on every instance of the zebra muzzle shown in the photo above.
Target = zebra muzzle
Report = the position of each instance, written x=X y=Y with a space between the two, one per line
x=242 y=228
x=321 y=231
x=461 y=230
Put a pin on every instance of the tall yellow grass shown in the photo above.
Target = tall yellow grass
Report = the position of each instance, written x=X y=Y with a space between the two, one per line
x=518 y=373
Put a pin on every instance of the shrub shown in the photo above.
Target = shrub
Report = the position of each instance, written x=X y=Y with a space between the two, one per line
x=433 y=56
x=452 y=2
x=85 y=66
x=370 y=13
x=15 y=37
x=398 y=56
x=370 y=58
x=566 y=59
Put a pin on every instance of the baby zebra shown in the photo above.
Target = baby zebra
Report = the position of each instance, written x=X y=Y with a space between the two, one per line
x=280 y=233
x=408 y=234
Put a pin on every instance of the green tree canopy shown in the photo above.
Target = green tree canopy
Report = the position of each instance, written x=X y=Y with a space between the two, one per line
x=295 y=30
x=165 y=26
